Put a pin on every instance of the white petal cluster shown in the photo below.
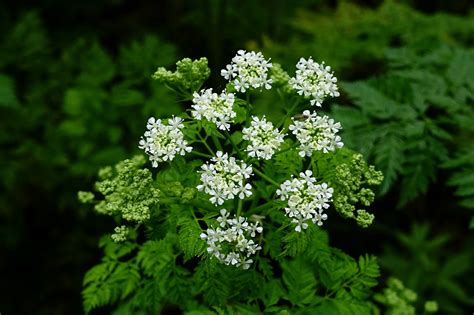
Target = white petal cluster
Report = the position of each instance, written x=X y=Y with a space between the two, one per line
x=264 y=138
x=306 y=200
x=316 y=133
x=248 y=70
x=225 y=178
x=231 y=243
x=162 y=142
x=214 y=107
x=314 y=80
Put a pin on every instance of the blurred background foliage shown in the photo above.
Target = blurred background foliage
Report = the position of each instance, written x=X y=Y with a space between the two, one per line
x=75 y=91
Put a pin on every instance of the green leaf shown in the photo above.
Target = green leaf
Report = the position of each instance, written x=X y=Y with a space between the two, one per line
x=370 y=100
x=189 y=238
x=389 y=158
x=156 y=258
x=107 y=282
x=213 y=281
x=300 y=282
x=273 y=291
x=7 y=92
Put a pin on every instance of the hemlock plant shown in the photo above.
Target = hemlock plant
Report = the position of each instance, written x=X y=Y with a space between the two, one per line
x=230 y=217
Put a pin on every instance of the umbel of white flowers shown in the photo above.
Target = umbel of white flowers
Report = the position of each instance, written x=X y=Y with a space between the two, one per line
x=224 y=178
x=248 y=70
x=162 y=142
x=306 y=200
x=314 y=80
x=263 y=137
x=316 y=133
x=215 y=108
x=231 y=243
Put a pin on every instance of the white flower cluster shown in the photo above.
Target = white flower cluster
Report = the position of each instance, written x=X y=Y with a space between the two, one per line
x=225 y=178
x=264 y=139
x=248 y=70
x=316 y=133
x=306 y=200
x=121 y=233
x=214 y=107
x=232 y=243
x=162 y=142
x=314 y=80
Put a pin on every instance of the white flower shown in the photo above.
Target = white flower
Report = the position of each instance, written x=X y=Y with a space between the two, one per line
x=264 y=139
x=162 y=142
x=319 y=217
x=314 y=80
x=223 y=217
x=225 y=178
x=316 y=133
x=248 y=70
x=214 y=107
x=306 y=200
x=233 y=244
x=255 y=228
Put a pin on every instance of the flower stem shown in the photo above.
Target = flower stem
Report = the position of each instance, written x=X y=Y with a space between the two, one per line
x=227 y=135
x=288 y=114
x=239 y=207
x=249 y=106
x=295 y=145
x=265 y=177
x=216 y=142
x=201 y=154
x=205 y=144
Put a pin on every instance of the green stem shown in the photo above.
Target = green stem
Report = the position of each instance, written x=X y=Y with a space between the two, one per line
x=201 y=154
x=288 y=149
x=315 y=168
x=194 y=217
x=249 y=107
x=265 y=177
x=239 y=207
x=288 y=114
x=227 y=135
x=260 y=209
x=203 y=141
x=216 y=142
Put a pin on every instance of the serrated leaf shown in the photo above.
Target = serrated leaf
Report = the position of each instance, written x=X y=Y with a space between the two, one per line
x=372 y=102
x=300 y=282
x=189 y=238
x=389 y=157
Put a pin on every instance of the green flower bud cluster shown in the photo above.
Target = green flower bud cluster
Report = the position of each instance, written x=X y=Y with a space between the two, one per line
x=120 y=235
x=398 y=299
x=189 y=74
x=350 y=188
x=280 y=78
x=431 y=306
x=176 y=189
x=189 y=193
x=129 y=191
x=85 y=197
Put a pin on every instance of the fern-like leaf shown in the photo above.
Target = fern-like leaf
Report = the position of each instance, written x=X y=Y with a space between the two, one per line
x=189 y=239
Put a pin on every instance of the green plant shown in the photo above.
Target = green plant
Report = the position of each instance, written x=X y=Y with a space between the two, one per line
x=411 y=120
x=230 y=223
x=399 y=299
x=353 y=39
x=439 y=273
